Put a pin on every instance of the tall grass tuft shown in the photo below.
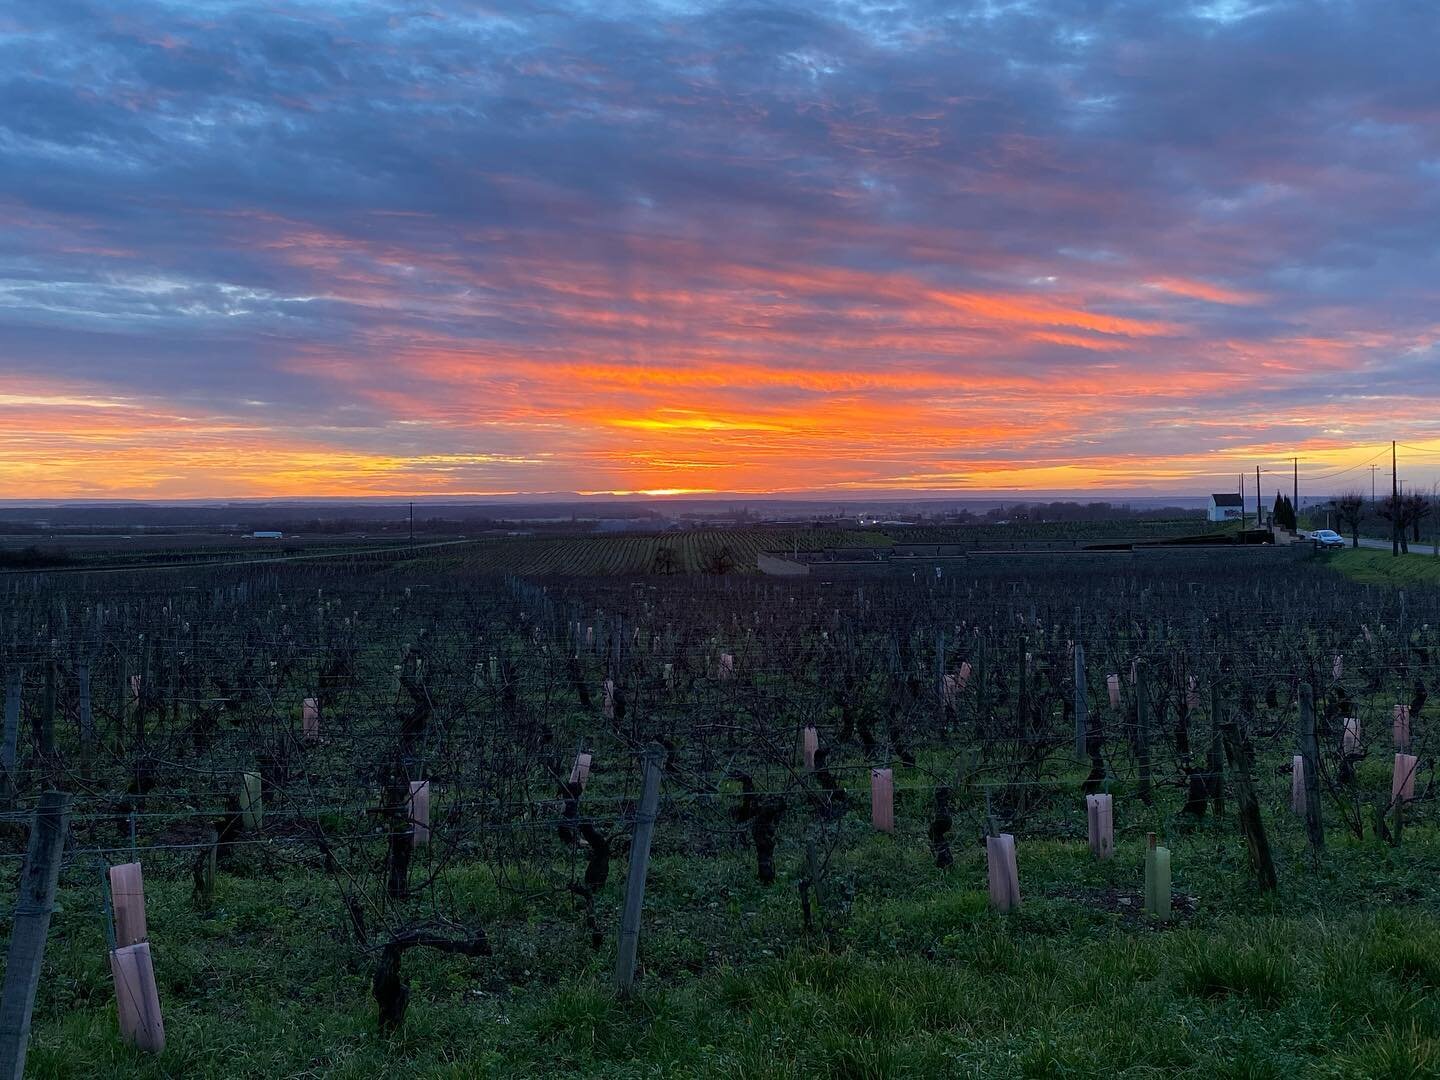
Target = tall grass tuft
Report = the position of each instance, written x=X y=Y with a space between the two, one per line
x=1217 y=968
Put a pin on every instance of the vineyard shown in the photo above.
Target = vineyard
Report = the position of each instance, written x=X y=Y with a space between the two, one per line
x=693 y=551
x=687 y=551
x=441 y=818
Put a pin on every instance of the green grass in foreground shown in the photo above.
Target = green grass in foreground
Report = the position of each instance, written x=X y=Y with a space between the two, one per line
x=1382 y=568
x=1337 y=975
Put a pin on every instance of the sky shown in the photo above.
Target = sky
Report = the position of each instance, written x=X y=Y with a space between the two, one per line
x=871 y=246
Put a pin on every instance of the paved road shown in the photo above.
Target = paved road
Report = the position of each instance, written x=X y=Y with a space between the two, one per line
x=1384 y=545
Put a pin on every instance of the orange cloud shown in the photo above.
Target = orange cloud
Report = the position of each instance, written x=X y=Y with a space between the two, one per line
x=1204 y=290
x=696 y=373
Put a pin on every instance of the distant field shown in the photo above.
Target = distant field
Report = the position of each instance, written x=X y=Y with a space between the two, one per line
x=693 y=552
x=688 y=552
x=24 y=553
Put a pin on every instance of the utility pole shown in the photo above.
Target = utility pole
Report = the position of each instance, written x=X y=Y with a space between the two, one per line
x=1242 y=502
x=1394 y=504
x=1296 y=499
x=1259 y=514
x=1373 y=469
x=412 y=522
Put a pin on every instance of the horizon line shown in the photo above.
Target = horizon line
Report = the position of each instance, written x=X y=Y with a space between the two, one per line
x=819 y=497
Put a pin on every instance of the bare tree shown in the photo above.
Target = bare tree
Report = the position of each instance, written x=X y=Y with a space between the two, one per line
x=1416 y=508
x=1350 y=510
x=1394 y=511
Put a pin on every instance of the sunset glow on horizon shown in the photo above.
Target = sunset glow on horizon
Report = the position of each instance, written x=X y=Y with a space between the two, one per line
x=674 y=248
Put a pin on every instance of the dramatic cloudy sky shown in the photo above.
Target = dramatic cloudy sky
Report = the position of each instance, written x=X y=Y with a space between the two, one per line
x=320 y=248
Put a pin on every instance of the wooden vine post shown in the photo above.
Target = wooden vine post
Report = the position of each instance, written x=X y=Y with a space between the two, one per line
x=142 y=693
x=1216 y=756
x=982 y=683
x=1310 y=751
x=1142 y=730
x=639 y=866
x=1248 y=808
x=45 y=721
x=203 y=868
x=944 y=696
x=122 y=702
x=1082 y=707
x=87 y=721
x=10 y=746
x=36 y=900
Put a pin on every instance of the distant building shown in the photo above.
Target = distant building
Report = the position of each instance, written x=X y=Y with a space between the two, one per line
x=267 y=534
x=1226 y=508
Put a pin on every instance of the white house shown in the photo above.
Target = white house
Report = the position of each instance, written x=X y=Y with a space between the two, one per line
x=1226 y=508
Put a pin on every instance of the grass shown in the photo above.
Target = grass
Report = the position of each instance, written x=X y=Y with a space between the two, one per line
x=1337 y=975
x=1373 y=567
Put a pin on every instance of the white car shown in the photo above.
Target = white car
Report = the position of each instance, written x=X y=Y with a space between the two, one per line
x=1327 y=538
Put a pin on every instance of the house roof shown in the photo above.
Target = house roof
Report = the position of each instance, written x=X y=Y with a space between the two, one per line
x=1227 y=500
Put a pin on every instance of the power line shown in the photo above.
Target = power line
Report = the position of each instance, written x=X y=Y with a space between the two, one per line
x=1341 y=472
x=1359 y=465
